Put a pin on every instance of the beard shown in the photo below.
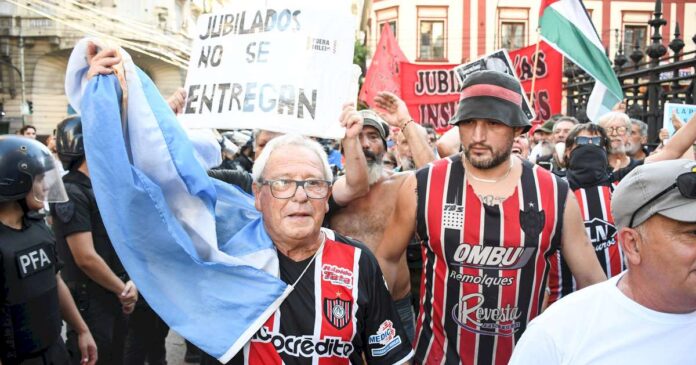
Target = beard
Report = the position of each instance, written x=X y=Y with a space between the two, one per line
x=497 y=157
x=617 y=150
x=407 y=164
x=633 y=148
x=374 y=171
x=375 y=166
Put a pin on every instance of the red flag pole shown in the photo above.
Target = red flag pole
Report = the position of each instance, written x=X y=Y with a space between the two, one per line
x=536 y=59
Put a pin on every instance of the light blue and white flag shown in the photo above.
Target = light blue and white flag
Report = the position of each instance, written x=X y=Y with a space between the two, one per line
x=195 y=247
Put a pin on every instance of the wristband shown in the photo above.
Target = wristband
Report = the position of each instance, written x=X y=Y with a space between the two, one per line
x=406 y=124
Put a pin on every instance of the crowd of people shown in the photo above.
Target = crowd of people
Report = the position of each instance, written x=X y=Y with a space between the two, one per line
x=497 y=242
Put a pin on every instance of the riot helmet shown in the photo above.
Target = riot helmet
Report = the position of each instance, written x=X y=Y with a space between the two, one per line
x=27 y=166
x=69 y=145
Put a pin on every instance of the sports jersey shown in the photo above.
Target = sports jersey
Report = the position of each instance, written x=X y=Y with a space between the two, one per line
x=339 y=311
x=485 y=266
x=595 y=207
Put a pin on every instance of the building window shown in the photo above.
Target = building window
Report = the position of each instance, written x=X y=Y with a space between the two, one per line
x=388 y=16
x=391 y=24
x=512 y=35
x=432 y=40
x=634 y=34
x=432 y=33
x=512 y=28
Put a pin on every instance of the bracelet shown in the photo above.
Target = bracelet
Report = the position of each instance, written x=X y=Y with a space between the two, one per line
x=406 y=124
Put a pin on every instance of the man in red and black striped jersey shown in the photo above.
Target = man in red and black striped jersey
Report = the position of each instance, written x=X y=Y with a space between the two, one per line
x=489 y=224
x=592 y=183
x=340 y=311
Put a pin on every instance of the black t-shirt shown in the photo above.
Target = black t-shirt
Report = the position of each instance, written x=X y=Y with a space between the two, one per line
x=81 y=214
x=343 y=303
x=621 y=173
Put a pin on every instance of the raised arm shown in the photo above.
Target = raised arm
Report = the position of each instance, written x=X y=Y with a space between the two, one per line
x=680 y=142
x=449 y=143
x=354 y=183
x=394 y=111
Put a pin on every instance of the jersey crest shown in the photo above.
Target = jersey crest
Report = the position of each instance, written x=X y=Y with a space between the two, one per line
x=532 y=220
x=337 y=311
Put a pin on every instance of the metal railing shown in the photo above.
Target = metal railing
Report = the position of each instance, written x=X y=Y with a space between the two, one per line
x=647 y=85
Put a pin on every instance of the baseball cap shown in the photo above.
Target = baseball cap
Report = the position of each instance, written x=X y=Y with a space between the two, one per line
x=492 y=95
x=372 y=119
x=667 y=188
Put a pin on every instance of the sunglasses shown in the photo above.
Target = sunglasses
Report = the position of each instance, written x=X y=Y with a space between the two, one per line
x=686 y=183
x=582 y=140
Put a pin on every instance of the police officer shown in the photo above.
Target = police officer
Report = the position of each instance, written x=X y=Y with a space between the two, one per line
x=33 y=295
x=93 y=272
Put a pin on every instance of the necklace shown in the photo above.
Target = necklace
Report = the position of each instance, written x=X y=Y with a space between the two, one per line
x=491 y=181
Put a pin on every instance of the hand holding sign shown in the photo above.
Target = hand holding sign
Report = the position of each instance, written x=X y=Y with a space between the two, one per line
x=676 y=121
x=676 y=116
x=176 y=100
x=351 y=121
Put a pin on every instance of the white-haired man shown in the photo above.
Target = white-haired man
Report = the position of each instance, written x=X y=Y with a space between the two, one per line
x=638 y=139
x=340 y=309
x=618 y=128
x=646 y=315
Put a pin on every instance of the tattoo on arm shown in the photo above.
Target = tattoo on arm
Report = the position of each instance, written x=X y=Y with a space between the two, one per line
x=491 y=199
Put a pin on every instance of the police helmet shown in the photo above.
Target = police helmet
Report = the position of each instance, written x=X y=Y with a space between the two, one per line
x=69 y=143
x=26 y=165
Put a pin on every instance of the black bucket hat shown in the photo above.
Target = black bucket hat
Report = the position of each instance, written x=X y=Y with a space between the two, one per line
x=492 y=95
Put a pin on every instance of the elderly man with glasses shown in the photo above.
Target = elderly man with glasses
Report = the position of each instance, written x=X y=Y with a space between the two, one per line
x=646 y=315
x=618 y=128
x=340 y=310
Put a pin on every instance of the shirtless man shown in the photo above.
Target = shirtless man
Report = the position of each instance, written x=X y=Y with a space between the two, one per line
x=368 y=217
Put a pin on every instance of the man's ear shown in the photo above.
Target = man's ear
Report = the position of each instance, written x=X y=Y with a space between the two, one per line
x=517 y=131
x=255 y=188
x=631 y=243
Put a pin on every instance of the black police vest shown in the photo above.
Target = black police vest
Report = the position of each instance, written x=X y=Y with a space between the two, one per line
x=76 y=183
x=30 y=317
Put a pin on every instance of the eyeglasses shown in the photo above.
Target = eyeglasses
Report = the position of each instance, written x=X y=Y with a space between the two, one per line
x=619 y=130
x=582 y=140
x=686 y=183
x=286 y=188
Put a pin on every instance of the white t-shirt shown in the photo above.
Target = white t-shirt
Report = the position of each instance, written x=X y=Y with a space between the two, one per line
x=600 y=325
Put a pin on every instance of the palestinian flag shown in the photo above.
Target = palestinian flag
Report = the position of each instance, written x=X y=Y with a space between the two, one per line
x=567 y=27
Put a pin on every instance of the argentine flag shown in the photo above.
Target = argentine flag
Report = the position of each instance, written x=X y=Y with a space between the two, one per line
x=195 y=247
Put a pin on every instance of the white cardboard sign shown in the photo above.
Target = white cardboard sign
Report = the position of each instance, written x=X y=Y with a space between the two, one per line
x=283 y=66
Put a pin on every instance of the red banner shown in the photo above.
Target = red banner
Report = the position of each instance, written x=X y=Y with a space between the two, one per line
x=548 y=87
x=431 y=93
x=383 y=73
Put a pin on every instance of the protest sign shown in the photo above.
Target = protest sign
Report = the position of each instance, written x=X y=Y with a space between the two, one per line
x=497 y=61
x=547 y=66
x=431 y=93
x=283 y=66
x=683 y=111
